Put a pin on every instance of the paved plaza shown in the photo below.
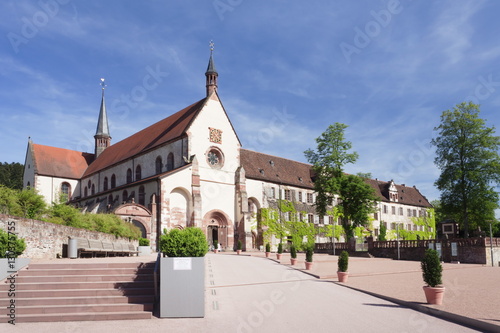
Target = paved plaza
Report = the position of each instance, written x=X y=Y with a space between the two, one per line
x=249 y=293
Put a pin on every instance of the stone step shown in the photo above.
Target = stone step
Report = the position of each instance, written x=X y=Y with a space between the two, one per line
x=56 y=317
x=84 y=278
x=91 y=265
x=79 y=285
x=83 y=292
x=92 y=271
x=132 y=299
x=80 y=308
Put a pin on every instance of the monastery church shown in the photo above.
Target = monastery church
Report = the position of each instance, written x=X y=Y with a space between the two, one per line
x=190 y=169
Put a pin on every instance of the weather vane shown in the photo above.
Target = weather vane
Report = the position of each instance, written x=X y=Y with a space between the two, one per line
x=211 y=46
x=103 y=85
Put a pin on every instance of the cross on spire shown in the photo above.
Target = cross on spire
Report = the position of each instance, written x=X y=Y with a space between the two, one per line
x=211 y=44
x=103 y=85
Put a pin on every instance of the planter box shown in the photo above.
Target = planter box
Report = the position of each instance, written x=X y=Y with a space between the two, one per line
x=143 y=251
x=182 y=287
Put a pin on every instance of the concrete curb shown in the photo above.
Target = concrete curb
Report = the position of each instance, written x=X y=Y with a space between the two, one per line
x=448 y=316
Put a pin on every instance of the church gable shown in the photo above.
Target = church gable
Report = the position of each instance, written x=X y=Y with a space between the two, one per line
x=212 y=137
x=59 y=162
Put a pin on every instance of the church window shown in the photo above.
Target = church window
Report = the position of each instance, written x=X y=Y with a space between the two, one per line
x=113 y=181
x=138 y=173
x=129 y=176
x=142 y=196
x=215 y=158
x=125 y=196
x=89 y=184
x=93 y=189
x=105 y=183
x=66 y=190
x=85 y=192
x=170 y=162
x=110 y=199
x=28 y=185
x=159 y=165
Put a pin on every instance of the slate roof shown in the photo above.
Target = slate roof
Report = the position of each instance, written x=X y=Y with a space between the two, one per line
x=59 y=162
x=164 y=131
x=278 y=170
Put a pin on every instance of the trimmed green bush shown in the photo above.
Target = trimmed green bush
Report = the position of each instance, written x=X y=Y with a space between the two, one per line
x=216 y=244
x=280 y=248
x=268 y=247
x=293 y=251
x=343 y=262
x=143 y=241
x=431 y=268
x=14 y=244
x=239 y=246
x=189 y=242
x=309 y=253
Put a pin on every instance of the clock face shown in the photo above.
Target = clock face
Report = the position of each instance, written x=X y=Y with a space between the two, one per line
x=215 y=135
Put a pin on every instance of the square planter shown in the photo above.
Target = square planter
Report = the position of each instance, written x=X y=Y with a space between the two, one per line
x=182 y=287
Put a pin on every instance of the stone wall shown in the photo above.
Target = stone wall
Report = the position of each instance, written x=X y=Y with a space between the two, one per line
x=470 y=251
x=48 y=240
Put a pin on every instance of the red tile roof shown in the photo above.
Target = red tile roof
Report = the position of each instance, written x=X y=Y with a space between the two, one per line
x=274 y=169
x=59 y=162
x=165 y=130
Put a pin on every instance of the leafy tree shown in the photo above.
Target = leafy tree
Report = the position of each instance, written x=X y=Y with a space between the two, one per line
x=32 y=205
x=11 y=175
x=356 y=197
x=8 y=201
x=467 y=155
x=383 y=233
x=357 y=202
x=328 y=161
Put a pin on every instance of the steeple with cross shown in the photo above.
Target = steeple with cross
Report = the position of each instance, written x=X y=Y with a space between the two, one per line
x=211 y=73
x=102 y=137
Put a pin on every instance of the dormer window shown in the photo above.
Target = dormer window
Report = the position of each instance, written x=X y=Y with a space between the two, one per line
x=271 y=162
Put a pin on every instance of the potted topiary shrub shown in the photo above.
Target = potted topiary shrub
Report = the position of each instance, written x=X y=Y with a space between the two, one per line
x=182 y=273
x=216 y=246
x=432 y=271
x=143 y=249
x=268 y=250
x=309 y=256
x=293 y=255
x=238 y=247
x=342 y=264
x=280 y=251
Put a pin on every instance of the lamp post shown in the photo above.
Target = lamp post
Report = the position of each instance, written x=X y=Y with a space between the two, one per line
x=491 y=245
x=397 y=237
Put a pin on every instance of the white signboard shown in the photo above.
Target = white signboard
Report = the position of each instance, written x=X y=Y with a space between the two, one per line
x=182 y=264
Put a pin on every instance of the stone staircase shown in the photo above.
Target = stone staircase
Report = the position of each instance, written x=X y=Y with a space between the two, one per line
x=81 y=292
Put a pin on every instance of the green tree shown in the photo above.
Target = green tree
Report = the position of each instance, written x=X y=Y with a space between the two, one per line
x=467 y=155
x=8 y=201
x=10 y=245
x=11 y=175
x=32 y=204
x=356 y=197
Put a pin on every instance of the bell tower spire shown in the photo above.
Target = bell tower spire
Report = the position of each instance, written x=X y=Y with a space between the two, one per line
x=211 y=73
x=102 y=137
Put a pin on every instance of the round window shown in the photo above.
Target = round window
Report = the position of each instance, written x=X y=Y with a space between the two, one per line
x=215 y=158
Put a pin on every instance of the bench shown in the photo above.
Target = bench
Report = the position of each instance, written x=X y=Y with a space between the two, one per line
x=106 y=248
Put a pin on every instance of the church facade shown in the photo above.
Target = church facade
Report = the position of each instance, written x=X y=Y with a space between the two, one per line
x=190 y=169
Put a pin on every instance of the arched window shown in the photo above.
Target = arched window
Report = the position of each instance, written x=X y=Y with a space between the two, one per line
x=85 y=192
x=138 y=173
x=170 y=162
x=159 y=165
x=93 y=189
x=66 y=190
x=28 y=185
x=110 y=199
x=125 y=196
x=113 y=181
x=129 y=176
x=142 y=196
x=105 y=183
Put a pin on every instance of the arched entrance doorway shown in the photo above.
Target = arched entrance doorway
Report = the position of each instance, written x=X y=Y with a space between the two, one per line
x=218 y=228
x=139 y=216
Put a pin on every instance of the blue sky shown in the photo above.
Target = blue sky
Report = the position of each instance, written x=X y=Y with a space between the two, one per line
x=287 y=69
